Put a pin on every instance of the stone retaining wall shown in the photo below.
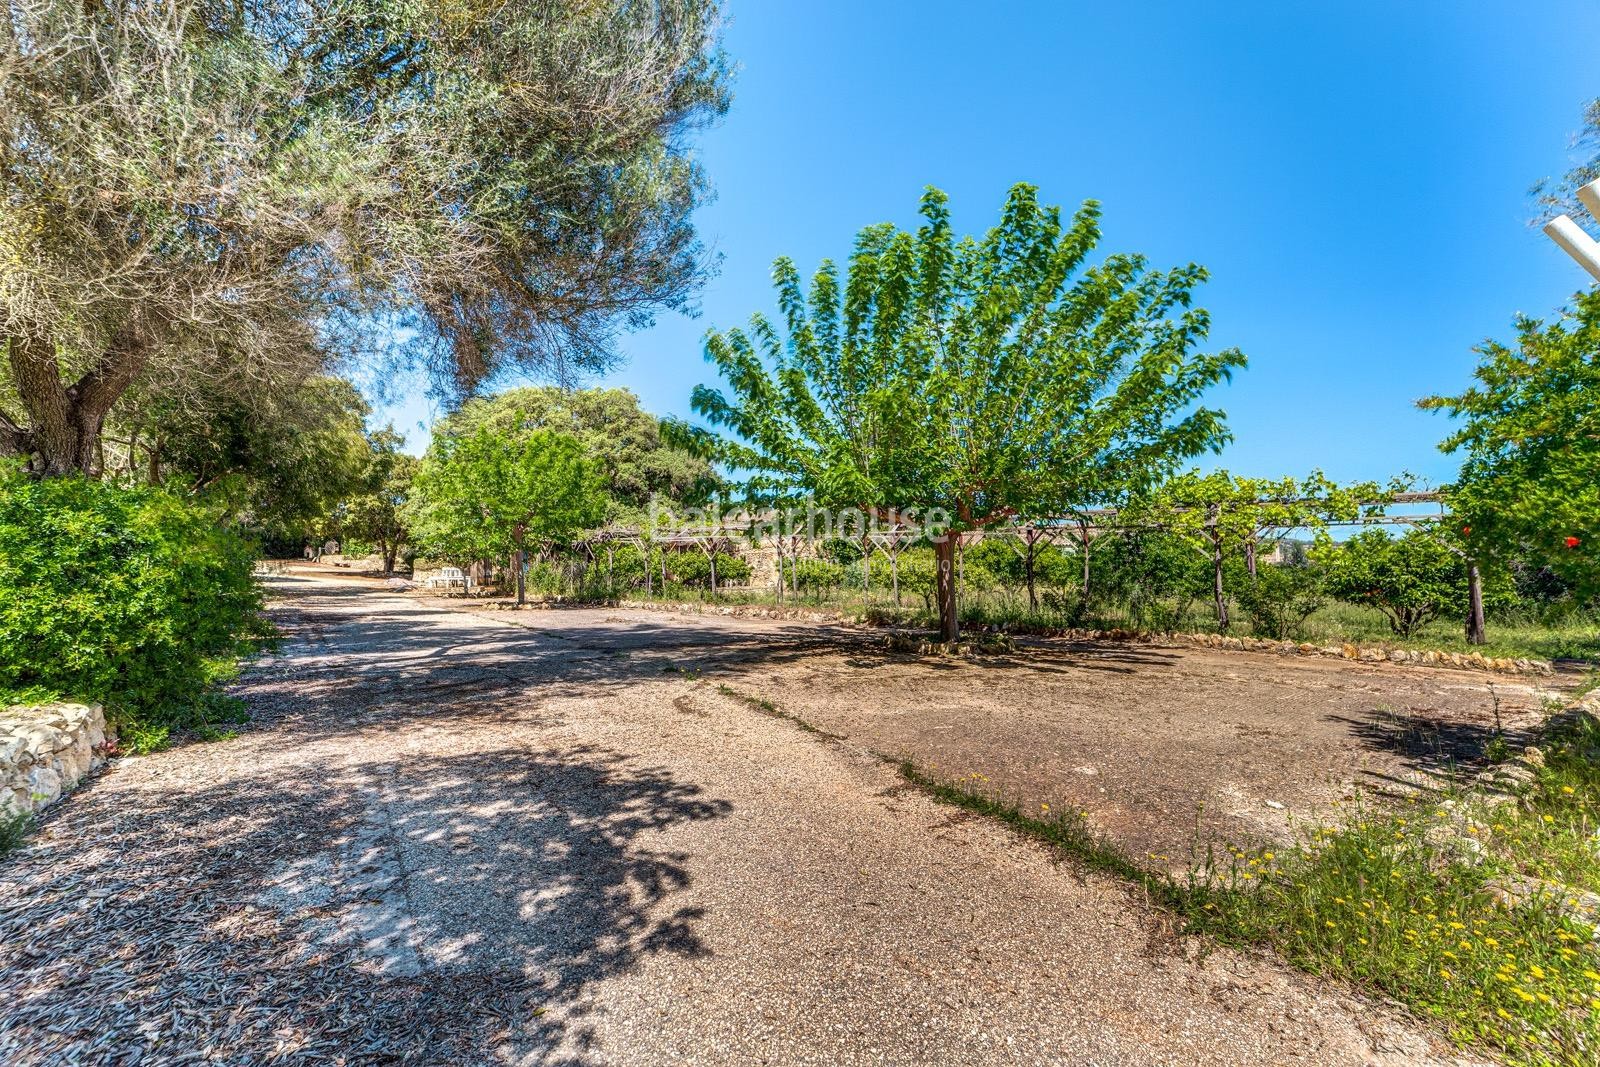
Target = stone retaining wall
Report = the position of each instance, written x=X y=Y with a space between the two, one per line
x=45 y=751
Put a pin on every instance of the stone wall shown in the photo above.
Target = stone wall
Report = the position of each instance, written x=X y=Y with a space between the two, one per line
x=45 y=751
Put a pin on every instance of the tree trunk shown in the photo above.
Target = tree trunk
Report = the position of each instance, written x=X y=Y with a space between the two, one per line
x=1217 y=592
x=65 y=422
x=1083 y=540
x=944 y=556
x=1250 y=556
x=391 y=549
x=1027 y=565
x=1475 y=624
x=894 y=575
x=712 y=558
x=522 y=592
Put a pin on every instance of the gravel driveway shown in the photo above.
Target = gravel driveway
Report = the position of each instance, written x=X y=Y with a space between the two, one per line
x=446 y=839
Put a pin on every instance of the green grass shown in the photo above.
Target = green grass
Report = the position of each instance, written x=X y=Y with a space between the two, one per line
x=1378 y=902
x=1516 y=637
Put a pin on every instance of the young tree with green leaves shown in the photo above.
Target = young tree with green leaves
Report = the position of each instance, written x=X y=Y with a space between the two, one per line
x=378 y=514
x=491 y=494
x=1411 y=579
x=984 y=377
x=624 y=442
x=1529 y=486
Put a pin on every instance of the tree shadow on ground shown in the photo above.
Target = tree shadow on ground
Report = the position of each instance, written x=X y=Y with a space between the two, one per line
x=1441 y=750
x=439 y=909
x=358 y=658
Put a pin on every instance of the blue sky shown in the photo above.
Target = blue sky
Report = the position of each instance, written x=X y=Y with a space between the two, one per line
x=1354 y=175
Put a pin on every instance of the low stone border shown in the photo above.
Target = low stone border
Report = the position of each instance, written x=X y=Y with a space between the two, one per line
x=1414 y=657
x=1347 y=651
x=45 y=750
x=744 y=611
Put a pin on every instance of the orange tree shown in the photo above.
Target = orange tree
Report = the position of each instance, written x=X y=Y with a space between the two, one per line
x=969 y=381
x=1529 y=485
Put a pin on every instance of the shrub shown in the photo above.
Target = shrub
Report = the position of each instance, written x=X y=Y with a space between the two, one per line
x=694 y=568
x=1279 y=599
x=817 y=576
x=1411 y=579
x=131 y=597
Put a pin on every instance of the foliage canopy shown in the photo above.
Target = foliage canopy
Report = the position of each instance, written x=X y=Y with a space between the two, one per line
x=1529 y=485
x=986 y=378
x=206 y=195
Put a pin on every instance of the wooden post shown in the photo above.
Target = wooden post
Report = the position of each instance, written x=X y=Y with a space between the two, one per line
x=866 y=568
x=1217 y=592
x=894 y=569
x=1027 y=568
x=1083 y=540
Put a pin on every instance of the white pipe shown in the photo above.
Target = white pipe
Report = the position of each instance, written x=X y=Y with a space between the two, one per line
x=1590 y=195
x=1577 y=244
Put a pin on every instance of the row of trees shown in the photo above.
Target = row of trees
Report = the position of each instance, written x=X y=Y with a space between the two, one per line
x=1004 y=377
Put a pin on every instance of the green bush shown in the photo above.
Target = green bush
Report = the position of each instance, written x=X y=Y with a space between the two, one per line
x=1279 y=599
x=1411 y=579
x=694 y=568
x=816 y=576
x=132 y=597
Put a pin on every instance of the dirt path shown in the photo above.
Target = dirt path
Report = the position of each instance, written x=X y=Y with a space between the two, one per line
x=447 y=839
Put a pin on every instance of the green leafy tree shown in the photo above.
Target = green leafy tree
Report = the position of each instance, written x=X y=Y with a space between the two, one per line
x=972 y=380
x=492 y=494
x=277 y=468
x=1222 y=516
x=233 y=192
x=1159 y=575
x=1277 y=600
x=378 y=515
x=1411 y=580
x=624 y=443
x=694 y=567
x=1529 y=486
